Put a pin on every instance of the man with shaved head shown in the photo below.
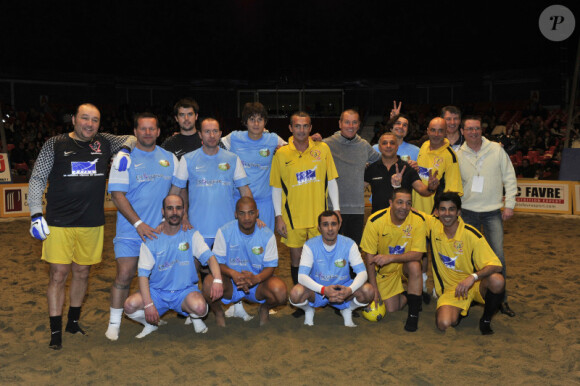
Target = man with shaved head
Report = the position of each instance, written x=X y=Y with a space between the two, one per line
x=437 y=155
x=248 y=256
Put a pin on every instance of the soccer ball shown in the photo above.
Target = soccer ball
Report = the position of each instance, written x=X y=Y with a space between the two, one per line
x=374 y=312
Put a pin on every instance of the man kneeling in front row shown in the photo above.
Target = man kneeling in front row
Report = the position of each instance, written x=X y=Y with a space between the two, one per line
x=324 y=273
x=167 y=275
x=248 y=256
x=465 y=268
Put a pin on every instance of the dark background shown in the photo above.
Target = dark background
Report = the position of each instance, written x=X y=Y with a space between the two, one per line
x=283 y=41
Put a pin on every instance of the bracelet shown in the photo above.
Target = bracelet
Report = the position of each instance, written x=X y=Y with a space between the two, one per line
x=396 y=186
x=475 y=276
x=137 y=223
x=148 y=305
x=219 y=281
x=322 y=291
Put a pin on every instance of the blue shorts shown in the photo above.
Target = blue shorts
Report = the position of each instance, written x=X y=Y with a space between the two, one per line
x=127 y=247
x=170 y=300
x=238 y=294
x=321 y=301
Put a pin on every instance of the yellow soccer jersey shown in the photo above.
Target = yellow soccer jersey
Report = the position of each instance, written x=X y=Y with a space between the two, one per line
x=455 y=259
x=303 y=178
x=445 y=162
x=382 y=237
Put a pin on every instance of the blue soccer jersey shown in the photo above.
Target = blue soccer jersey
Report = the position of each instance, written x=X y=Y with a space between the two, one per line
x=168 y=260
x=243 y=252
x=146 y=183
x=212 y=181
x=330 y=267
x=256 y=156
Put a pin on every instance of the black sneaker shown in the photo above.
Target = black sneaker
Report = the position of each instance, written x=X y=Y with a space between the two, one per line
x=485 y=327
x=55 y=340
x=74 y=328
x=412 y=323
x=505 y=309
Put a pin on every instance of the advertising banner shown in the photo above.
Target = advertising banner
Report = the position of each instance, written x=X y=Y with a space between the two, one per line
x=542 y=196
x=14 y=200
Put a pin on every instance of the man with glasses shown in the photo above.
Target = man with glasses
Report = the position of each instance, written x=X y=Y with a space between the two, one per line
x=486 y=170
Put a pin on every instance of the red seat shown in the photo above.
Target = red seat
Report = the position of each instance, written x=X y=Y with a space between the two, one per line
x=21 y=166
x=533 y=156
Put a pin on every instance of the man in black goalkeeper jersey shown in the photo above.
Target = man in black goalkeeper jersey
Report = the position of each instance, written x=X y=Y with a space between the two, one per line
x=75 y=166
x=186 y=112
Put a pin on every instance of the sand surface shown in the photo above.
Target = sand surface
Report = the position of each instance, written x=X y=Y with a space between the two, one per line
x=540 y=345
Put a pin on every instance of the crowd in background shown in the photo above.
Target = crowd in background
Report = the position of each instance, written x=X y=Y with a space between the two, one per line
x=534 y=138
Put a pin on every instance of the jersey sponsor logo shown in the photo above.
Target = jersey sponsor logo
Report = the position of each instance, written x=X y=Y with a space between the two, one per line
x=397 y=249
x=458 y=245
x=258 y=250
x=96 y=147
x=144 y=177
x=236 y=260
x=306 y=176
x=340 y=263
x=224 y=166
x=84 y=168
x=424 y=172
x=315 y=154
x=67 y=153
x=326 y=277
x=164 y=163
x=206 y=182
x=449 y=262
x=167 y=265
x=264 y=152
x=183 y=246
x=250 y=165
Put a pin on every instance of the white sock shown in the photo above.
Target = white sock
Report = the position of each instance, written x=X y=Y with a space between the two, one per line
x=198 y=324
x=240 y=312
x=139 y=317
x=308 y=312
x=347 y=316
x=425 y=281
x=347 y=312
x=116 y=314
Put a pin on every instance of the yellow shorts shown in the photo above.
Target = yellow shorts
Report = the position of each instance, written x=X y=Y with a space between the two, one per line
x=448 y=298
x=391 y=283
x=297 y=237
x=83 y=246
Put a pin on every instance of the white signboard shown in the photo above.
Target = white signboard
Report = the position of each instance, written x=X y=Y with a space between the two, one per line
x=5 y=176
x=544 y=196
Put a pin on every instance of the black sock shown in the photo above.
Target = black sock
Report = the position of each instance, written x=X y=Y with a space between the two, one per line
x=414 y=302
x=55 y=332
x=72 y=325
x=294 y=273
x=492 y=302
x=74 y=314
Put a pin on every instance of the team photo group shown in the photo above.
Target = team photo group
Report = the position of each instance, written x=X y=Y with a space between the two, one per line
x=198 y=215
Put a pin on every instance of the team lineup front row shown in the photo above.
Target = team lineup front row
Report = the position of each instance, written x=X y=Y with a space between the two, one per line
x=190 y=206
x=244 y=258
